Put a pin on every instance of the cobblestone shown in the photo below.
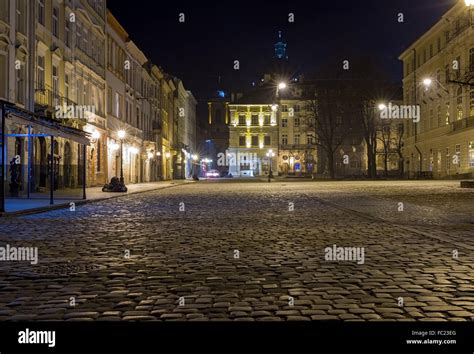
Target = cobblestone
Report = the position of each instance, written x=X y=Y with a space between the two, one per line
x=190 y=254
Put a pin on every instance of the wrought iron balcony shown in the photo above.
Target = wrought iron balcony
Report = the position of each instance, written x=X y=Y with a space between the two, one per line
x=47 y=98
x=462 y=124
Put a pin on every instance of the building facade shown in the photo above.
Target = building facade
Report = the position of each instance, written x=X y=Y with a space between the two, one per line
x=72 y=61
x=441 y=144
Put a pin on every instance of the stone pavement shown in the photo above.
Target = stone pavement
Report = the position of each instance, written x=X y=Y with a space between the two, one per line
x=65 y=196
x=235 y=251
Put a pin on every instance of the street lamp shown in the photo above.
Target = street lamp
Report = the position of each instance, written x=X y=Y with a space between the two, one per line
x=282 y=86
x=270 y=155
x=427 y=83
x=382 y=106
x=121 y=135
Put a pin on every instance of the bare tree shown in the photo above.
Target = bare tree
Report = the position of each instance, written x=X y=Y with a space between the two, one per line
x=327 y=113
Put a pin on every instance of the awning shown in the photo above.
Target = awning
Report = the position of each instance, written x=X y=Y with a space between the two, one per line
x=45 y=125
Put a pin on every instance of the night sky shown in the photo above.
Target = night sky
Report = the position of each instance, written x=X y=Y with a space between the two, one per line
x=217 y=33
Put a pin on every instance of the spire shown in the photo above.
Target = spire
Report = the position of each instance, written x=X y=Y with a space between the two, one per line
x=280 y=48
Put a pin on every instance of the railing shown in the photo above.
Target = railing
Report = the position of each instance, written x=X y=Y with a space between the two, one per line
x=463 y=124
x=458 y=32
x=47 y=98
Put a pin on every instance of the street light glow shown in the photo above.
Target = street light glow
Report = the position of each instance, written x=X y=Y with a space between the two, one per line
x=427 y=82
x=469 y=2
x=95 y=135
x=121 y=134
x=382 y=106
x=274 y=107
x=282 y=85
x=150 y=155
x=115 y=146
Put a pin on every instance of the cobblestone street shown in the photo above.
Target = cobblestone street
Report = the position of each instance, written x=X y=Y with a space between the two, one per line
x=237 y=251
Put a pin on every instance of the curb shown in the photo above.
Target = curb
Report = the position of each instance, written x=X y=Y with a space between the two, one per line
x=81 y=202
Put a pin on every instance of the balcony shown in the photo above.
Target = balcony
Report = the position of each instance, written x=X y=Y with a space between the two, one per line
x=462 y=124
x=47 y=99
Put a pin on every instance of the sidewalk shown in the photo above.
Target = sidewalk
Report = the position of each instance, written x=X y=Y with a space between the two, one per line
x=39 y=204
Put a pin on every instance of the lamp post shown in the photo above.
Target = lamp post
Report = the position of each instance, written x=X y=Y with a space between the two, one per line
x=270 y=155
x=281 y=86
x=121 y=135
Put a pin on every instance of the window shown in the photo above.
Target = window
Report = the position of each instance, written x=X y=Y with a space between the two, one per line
x=471 y=154
x=457 y=151
x=21 y=16
x=471 y=59
x=267 y=140
x=459 y=104
x=297 y=122
x=242 y=120
x=284 y=139
x=66 y=86
x=471 y=102
x=254 y=120
x=40 y=72
x=266 y=120
x=284 y=108
x=448 y=160
x=254 y=140
x=309 y=139
x=284 y=122
x=68 y=31
x=20 y=84
x=438 y=161
x=4 y=10
x=117 y=105
x=447 y=113
x=431 y=51
x=296 y=140
x=55 y=85
x=297 y=108
x=458 y=70
x=55 y=21
x=41 y=12
x=85 y=40
x=242 y=140
x=109 y=100
x=439 y=44
x=79 y=34
x=439 y=116
x=431 y=120
x=138 y=118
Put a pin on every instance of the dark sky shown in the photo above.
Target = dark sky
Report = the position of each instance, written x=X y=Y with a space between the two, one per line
x=216 y=33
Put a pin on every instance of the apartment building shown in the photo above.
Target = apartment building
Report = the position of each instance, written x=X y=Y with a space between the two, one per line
x=438 y=76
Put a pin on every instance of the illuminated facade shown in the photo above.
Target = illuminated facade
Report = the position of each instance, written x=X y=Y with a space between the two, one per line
x=442 y=142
